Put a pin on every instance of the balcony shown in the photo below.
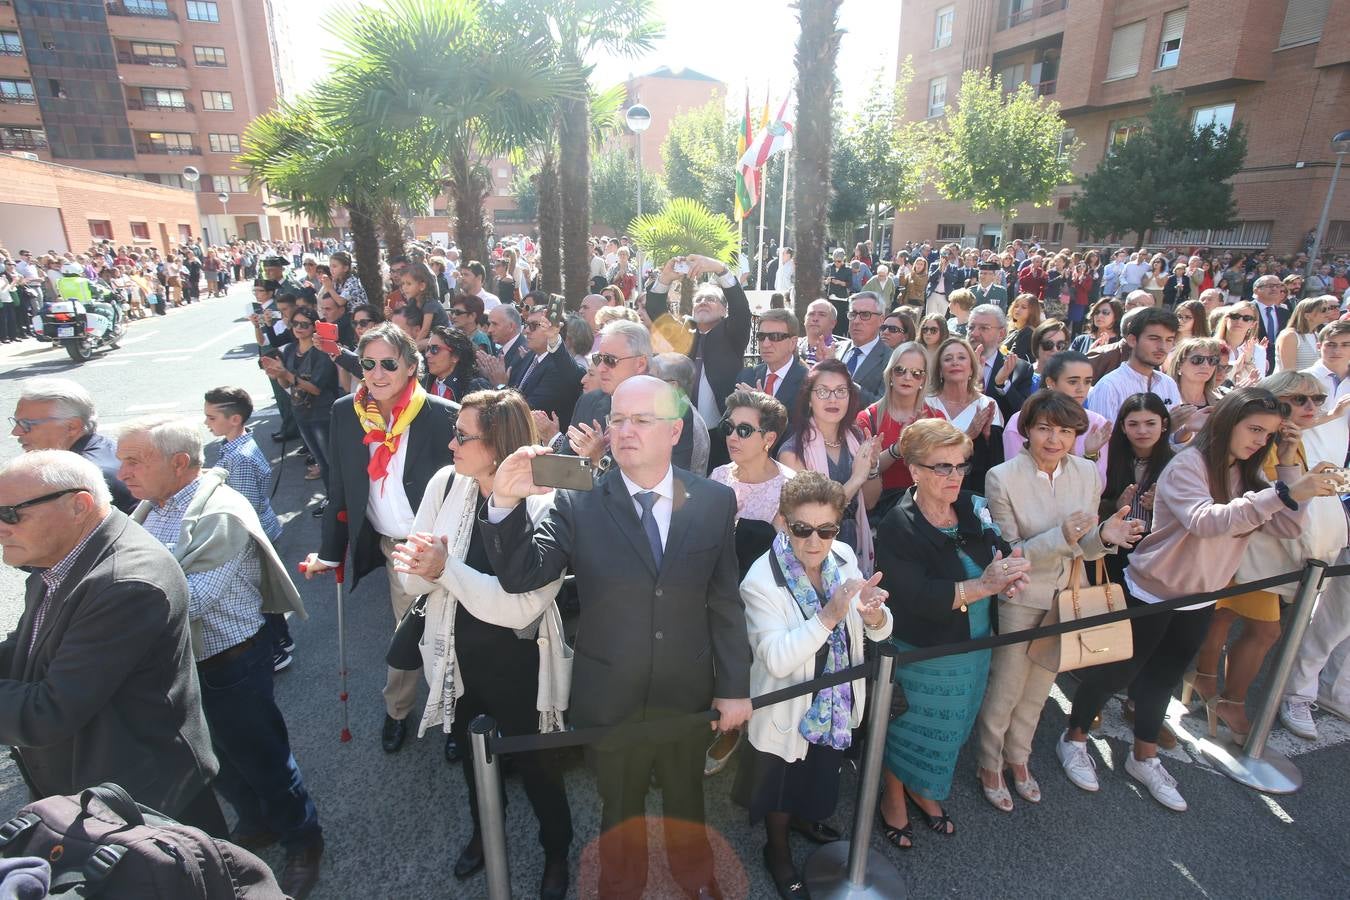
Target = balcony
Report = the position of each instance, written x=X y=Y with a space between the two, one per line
x=1027 y=11
x=7 y=50
x=166 y=150
x=20 y=99
x=138 y=103
x=159 y=62
x=139 y=10
x=1045 y=88
x=32 y=140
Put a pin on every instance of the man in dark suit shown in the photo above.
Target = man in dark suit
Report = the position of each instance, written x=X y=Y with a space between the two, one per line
x=97 y=681
x=58 y=414
x=550 y=378
x=865 y=353
x=1005 y=377
x=662 y=630
x=988 y=290
x=1271 y=314
x=361 y=481
x=780 y=372
x=506 y=365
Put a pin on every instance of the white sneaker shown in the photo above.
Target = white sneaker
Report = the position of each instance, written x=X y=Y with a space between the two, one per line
x=1296 y=715
x=1151 y=774
x=1078 y=765
x=1336 y=708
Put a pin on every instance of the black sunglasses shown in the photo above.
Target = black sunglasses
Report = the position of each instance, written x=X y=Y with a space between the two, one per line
x=945 y=470
x=608 y=359
x=740 y=429
x=892 y=329
x=774 y=336
x=803 y=531
x=362 y=323
x=1305 y=399
x=1200 y=360
x=389 y=365
x=1242 y=316
x=458 y=311
x=10 y=514
x=463 y=438
x=1047 y=346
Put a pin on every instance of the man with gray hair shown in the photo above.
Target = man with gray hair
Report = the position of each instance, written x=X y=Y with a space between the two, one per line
x=233 y=577
x=677 y=370
x=97 y=682
x=818 y=342
x=58 y=414
x=864 y=352
x=1003 y=376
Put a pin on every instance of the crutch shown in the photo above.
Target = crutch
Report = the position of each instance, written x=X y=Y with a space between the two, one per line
x=340 y=576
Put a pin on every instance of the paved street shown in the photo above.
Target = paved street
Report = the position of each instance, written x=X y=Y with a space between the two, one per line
x=394 y=824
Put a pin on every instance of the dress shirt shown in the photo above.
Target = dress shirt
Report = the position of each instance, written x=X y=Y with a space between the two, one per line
x=52 y=579
x=862 y=356
x=249 y=474
x=662 y=509
x=781 y=373
x=1331 y=439
x=387 y=506
x=490 y=300
x=510 y=345
x=442 y=389
x=226 y=600
x=1111 y=391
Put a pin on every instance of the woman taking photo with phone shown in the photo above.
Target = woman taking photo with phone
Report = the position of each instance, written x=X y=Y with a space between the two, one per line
x=311 y=378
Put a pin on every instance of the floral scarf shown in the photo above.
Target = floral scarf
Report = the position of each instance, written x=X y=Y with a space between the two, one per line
x=406 y=409
x=828 y=721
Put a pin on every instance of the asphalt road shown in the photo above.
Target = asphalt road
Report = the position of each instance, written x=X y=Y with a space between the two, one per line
x=394 y=824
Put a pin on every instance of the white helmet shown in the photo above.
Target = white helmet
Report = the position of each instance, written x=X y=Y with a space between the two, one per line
x=71 y=268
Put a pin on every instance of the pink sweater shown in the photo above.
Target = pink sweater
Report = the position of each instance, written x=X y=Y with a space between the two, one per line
x=1196 y=544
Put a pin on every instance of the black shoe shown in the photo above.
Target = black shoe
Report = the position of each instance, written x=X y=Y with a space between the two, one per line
x=287 y=644
x=279 y=436
x=470 y=860
x=281 y=660
x=789 y=884
x=391 y=737
x=301 y=872
x=553 y=886
x=452 y=752
x=318 y=511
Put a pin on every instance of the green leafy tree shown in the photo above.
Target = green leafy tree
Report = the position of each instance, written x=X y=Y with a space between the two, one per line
x=525 y=191
x=817 y=55
x=999 y=151
x=1168 y=174
x=700 y=157
x=614 y=189
x=848 y=190
x=888 y=161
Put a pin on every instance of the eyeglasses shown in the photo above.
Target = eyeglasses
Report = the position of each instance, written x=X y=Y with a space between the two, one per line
x=803 y=531
x=892 y=329
x=535 y=326
x=10 y=514
x=641 y=420
x=862 y=314
x=362 y=323
x=946 y=470
x=916 y=374
x=839 y=393
x=458 y=311
x=740 y=429
x=773 y=336
x=435 y=350
x=1304 y=399
x=389 y=365
x=461 y=438
x=1199 y=360
x=1054 y=345
x=301 y=323
x=27 y=425
x=1242 y=317
x=608 y=360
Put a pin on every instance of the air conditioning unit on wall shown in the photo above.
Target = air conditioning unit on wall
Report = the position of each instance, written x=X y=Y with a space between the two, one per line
x=24 y=154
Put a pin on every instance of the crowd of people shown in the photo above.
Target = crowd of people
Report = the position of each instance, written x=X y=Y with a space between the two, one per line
x=943 y=444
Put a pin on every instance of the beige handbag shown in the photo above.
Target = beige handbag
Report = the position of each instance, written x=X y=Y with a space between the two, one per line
x=1086 y=647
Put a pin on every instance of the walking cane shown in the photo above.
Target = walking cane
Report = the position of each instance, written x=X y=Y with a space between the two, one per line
x=340 y=576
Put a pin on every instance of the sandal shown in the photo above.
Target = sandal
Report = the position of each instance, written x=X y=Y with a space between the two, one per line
x=1029 y=790
x=998 y=797
x=895 y=835
x=941 y=823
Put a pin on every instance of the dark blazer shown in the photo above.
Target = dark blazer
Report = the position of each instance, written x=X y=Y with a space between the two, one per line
x=554 y=385
x=102 y=452
x=110 y=691
x=788 y=389
x=516 y=360
x=951 y=276
x=649 y=644
x=428 y=440
x=920 y=568
x=1282 y=316
x=1015 y=392
x=870 y=372
x=723 y=347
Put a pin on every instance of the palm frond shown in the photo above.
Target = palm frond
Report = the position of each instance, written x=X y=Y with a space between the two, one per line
x=682 y=228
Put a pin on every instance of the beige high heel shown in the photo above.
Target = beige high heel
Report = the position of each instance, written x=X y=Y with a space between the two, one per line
x=1188 y=687
x=1213 y=716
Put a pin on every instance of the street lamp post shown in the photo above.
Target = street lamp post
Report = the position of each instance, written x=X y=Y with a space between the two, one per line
x=639 y=119
x=224 y=199
x=1341 y=145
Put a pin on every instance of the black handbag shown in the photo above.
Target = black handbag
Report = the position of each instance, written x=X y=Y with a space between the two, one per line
x=404 y=651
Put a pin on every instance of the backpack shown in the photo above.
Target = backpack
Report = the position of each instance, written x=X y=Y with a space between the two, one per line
x=104 y=844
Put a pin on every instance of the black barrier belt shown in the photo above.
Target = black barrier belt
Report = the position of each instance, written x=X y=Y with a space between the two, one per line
x=525 y=743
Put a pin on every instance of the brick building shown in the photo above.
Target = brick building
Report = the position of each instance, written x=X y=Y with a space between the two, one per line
x=145 y=88
x=45 y=206
x=668 y=94
x=1281 y=67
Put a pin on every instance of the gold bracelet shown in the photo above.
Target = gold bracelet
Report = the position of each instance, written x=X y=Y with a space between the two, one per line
x=961 y=590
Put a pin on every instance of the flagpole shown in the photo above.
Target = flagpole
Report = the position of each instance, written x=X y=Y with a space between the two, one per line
x=782 y=211
x=759 y=256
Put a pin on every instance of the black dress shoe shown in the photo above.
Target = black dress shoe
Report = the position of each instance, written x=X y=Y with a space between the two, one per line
x=452 y=752
x=553 y=886
x=391 y=737
x=301 y=872
x=470 y=860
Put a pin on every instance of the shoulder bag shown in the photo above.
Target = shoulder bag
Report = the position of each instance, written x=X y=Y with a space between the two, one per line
x=1086 y=647
x=405 y=648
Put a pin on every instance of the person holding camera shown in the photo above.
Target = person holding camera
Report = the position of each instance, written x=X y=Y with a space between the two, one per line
x=311 y=380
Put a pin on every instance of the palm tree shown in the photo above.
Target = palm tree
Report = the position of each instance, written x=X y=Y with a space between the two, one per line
x=462 y=74
x=682 y=228
x=817 y=50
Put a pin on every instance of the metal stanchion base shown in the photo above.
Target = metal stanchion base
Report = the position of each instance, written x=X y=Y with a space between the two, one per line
x=1271 y=772
x=826 y=875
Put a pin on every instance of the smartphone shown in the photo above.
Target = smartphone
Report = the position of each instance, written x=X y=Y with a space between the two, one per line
x=256 y=309
x=573 y=473
x=681 y=268
x=326 y=331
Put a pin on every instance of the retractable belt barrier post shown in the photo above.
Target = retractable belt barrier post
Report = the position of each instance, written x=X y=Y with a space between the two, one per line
x=852 y=869
x=487 y=778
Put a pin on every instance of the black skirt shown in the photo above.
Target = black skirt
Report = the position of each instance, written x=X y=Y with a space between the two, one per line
x=807 y=788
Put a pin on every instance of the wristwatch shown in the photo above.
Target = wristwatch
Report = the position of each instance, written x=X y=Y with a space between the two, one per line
x=1283 y=490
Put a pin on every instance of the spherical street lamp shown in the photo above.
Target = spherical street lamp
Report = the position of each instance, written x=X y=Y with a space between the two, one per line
x=638 y=119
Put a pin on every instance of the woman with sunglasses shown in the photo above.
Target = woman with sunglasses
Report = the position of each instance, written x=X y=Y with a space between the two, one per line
x=1049 y=338
x=1296 y=345
x=451 y=364
x=1209 y=501
x=465 y=312
x=942 y=561
x=474 y=658
x=1194 y=365
x=1103 y=325
x=751 y=425
x=932 y=332
x=1236 y=327
x=1192 y=320
x=809 y=612
x=902 y=403
x=1322 y=538
x=954 y=390
x=896 y=330
x=312 y=380
x=823 y=437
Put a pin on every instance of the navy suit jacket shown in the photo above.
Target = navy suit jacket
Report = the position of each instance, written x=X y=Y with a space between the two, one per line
x=554 y=385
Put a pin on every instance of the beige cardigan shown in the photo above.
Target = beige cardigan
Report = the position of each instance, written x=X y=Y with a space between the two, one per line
x=1031 y=517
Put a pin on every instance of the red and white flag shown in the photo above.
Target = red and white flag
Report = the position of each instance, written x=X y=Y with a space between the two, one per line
x=772 y=140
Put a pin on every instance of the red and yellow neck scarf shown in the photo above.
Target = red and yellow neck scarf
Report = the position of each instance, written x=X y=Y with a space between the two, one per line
x=406 y=408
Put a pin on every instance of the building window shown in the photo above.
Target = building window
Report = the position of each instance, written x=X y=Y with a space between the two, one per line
x=1127 y=43
x=15 y=91
x=208 y=56
x=22 y=138
x=140 y=231
x=185 y=231
x=942 y=29
x=202 y=11
x=224 y=143
x=1169 y=46
x=1121 y=131
x=220 y=101
x=1066 y=139
x=1012 y=76
x=167 y=142
x=951 y=232
x=162 y=98
x=1020 y=11
x=503 y=173
x=1220 y=116
x=1303 y=22
x=156 y=8
x=937 y=96
x=1057 y=233
x=11 y=44
x=229 y=184
x=100 y=229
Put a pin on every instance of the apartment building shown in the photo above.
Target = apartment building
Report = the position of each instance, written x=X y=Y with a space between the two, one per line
x=146 y=89
x=1281 y=67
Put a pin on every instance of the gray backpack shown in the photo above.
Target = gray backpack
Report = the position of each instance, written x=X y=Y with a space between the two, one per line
x=104 y=844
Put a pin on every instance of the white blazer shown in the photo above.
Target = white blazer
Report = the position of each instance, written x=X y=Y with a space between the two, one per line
x=784 y=644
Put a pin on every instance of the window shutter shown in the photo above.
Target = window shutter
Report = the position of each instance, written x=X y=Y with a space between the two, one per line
x=1127 y=43
x=1303 y=21
x=1173 y=24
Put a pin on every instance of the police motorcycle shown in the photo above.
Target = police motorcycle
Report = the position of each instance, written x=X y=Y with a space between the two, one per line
x=85 y=316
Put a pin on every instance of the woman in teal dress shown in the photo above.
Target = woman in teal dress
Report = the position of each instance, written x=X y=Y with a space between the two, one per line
x=942 y=560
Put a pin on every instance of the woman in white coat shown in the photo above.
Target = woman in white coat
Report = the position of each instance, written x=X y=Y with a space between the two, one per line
x=486 y=651
x=808 y=610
